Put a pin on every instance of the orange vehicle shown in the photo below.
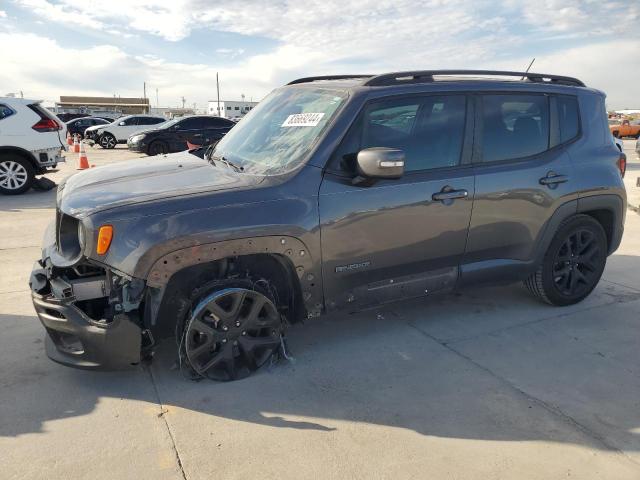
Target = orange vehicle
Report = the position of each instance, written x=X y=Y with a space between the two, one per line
x=625 y=129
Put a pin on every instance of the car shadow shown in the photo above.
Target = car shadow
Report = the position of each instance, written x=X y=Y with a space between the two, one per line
x=402 y=366
x=31 y=199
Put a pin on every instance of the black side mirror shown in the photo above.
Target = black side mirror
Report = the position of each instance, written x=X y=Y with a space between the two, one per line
x=380 y=162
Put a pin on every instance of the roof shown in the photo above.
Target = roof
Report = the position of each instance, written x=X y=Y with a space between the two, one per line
x=430 y=76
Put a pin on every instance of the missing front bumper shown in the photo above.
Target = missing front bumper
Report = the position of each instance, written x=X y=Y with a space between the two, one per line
x=73 y=337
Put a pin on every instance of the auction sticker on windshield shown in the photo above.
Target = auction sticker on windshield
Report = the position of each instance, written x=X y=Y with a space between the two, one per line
x=303 y=120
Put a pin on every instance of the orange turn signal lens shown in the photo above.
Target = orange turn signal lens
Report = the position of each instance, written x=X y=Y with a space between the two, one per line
x=105 y=234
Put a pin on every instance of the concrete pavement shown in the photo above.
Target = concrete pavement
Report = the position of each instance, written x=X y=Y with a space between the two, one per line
x=483 y=384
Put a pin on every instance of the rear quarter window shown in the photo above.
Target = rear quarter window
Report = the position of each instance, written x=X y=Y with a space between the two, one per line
x=568 y=117
x=5 y=111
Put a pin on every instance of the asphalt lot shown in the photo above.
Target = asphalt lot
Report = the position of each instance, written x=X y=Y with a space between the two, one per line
x=483 y=384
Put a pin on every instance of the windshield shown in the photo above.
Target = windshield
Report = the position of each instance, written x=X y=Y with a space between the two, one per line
x=276 y=136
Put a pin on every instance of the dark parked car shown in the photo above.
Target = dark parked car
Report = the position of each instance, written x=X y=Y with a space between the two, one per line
x=333 y=193
x=173 y=136
x=79 y=125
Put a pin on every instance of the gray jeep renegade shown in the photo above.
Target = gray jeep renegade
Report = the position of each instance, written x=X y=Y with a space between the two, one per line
x=335 y=192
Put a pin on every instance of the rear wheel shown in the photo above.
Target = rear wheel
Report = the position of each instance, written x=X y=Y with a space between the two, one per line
x=107 y=140
x=16 y=174
x=616 y=134
x=231 y=331
x=573 y=263
x=158 y=148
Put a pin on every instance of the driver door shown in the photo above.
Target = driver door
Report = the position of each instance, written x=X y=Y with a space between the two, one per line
x=399 y=238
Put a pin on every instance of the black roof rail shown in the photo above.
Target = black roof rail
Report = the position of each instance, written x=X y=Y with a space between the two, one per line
x=326 y=77
x=425 y=76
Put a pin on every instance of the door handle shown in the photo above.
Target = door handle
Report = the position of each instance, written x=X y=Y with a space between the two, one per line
x=447 y=193
x=553 y=179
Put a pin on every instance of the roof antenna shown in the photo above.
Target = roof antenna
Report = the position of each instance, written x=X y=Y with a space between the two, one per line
x=527 y=70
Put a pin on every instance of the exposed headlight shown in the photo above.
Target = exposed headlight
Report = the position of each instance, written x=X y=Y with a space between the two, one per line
x=81 y=236
x=136 y=138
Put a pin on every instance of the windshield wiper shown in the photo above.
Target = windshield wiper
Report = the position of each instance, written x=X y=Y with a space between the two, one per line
x=229 y=163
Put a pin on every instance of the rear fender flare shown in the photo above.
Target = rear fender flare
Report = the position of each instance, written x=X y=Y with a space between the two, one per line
x=23 y=153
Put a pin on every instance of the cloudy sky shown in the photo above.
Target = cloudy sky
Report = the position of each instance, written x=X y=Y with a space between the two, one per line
x=105 y=47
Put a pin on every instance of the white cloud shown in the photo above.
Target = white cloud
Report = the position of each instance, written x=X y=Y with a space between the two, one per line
x=582 y=17
x=3 y=14
x=324 y=37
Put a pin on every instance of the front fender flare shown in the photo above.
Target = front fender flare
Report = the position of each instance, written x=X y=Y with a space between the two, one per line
x=295 y=250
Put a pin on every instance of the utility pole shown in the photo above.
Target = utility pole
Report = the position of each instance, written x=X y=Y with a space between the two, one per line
x=183 y=100
x=218 y=90
x=157 y=102
x=144 y=95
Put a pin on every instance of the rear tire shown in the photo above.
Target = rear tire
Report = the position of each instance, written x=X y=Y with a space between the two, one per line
x=573 y=263
x=616 y=134
x=16 y=174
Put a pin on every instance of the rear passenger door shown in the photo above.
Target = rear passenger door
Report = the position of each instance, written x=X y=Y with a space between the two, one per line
x=398 y=238
x=522 y=176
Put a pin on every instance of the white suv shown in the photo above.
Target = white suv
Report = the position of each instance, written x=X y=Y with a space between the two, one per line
x=121 y=129
x=31 y=140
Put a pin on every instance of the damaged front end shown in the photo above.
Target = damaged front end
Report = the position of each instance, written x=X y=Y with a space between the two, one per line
x=90 y=312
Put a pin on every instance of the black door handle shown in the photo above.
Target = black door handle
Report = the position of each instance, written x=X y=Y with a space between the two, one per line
x=553 y=179
x=447 y=193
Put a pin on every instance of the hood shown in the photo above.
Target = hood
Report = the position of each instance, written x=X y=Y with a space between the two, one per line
x=96 y=127
x=147 y=179
x=146 y=132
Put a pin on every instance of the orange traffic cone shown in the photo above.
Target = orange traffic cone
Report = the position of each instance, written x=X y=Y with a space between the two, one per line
x=69 y=139
x=83 y=162
x=76 y=145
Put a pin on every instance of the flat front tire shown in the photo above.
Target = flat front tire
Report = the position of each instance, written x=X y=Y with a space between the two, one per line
x=231 y=330
x=573 y=263
x=157 y=148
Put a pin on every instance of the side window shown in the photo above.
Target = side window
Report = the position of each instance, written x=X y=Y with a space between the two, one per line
x=192 y=123
x=216 y=122
x=130 y=121
x=5 y=111
x=155 y=121
x=514 y=126
x=147 y=121
x=429 y=129
x=568 y=118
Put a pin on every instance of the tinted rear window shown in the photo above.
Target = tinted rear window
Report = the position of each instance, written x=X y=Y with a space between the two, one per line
x=568 y=117
x=514 y=126
x=216 y=122
x=5 y=111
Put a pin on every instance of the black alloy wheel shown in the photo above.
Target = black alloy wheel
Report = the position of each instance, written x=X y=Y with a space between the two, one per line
x=231 y=333
x=573 y=264
x=576 y=267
